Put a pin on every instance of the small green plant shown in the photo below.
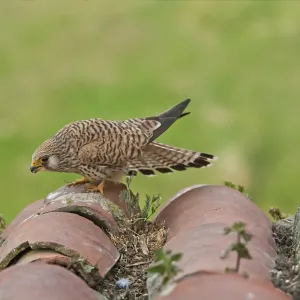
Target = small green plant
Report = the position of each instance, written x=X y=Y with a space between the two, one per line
x=240 y=246
x=239 y=188
x=132 y=201
x=276 y=213
x=164 y=265
x=2 y=227
x=2 y=223
x=151 y=206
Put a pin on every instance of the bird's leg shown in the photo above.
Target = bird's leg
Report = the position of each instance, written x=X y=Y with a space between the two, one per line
x=97 y=188
x=78 y=182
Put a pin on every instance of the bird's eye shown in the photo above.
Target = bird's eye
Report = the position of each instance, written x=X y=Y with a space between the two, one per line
x=45 y=159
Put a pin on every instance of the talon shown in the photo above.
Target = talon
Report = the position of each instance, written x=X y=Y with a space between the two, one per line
x=78 y=182
x=97 y=188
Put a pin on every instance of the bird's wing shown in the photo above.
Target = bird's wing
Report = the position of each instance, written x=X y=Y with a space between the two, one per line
x=118 y=142
x=113 y=143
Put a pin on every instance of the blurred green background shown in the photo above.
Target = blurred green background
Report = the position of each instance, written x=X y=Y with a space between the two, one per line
x=238 y=61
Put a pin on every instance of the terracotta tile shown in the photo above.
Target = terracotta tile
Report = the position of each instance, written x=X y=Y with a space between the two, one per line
x=111 y=192
x=42 y=281
x=47 y=256
x=28 y=211
x=66 y=233
x=210 y=286
x=88 y=205
x=196 y=219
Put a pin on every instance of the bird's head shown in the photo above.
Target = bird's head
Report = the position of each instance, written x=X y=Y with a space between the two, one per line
x=46 y=157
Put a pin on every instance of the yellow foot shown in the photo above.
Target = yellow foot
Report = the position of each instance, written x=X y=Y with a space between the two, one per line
x=78 y=182
x=97 y=188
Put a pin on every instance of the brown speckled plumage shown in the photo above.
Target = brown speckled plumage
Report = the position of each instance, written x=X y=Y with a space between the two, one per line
x=101 y=149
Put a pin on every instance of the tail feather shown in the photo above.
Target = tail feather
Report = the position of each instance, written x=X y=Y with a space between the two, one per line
x=167 y=118
x=164 y=159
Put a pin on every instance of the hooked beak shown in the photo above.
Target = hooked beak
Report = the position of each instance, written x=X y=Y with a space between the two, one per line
x=34 y=168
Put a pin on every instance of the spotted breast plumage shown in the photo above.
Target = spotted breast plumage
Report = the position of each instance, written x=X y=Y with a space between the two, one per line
x=102 y=150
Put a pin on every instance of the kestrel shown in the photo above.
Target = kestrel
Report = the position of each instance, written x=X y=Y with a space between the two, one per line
x=102 y=150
